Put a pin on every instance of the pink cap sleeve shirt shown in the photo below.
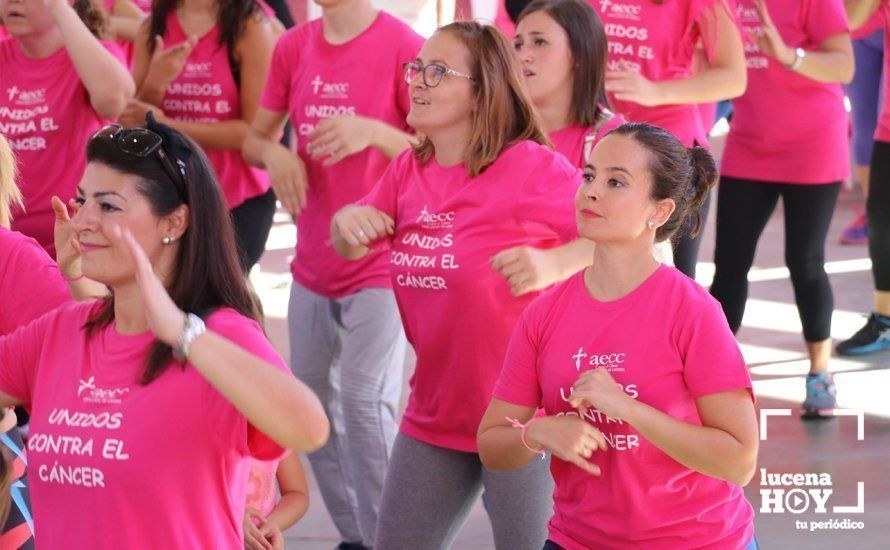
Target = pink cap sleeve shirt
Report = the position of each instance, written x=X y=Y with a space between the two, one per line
x=666 y=344
x=458 y=313
x=117 y=464
x=313 y=80
x=46 y=115
x=786 y=127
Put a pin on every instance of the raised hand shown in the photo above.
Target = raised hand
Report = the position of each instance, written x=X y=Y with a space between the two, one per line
x=569 y=438
x=67 y=247
x=361 y=225
x=525 y=268
x=627 y=85
x=338 y=137
x=597 y=389
x=770 y=41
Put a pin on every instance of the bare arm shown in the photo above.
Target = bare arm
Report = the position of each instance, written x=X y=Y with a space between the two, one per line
x=294 y=493
x=858 y=11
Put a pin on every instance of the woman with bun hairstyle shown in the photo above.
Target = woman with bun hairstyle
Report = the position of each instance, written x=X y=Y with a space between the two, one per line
x=655 y=75
x=650 y=417
x=796 y=70
x=483 y=181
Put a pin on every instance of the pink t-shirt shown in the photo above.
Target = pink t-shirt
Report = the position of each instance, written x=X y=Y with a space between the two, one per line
x=46 y=115
x=206 y=92
x=458 y=313
x=24 y=267
x=262 y=487
x=117 y=464
x=666 y=343
x=313 y=80
x=883 y=131
x=659 y=41
x=807 y=141
x=576 y=142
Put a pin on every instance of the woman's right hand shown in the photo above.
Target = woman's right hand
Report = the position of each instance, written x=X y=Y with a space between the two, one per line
x=361 y=225
x=67 y=248
x=569 y=438
x=253 y=538
x=287 y=174
x=167 y=64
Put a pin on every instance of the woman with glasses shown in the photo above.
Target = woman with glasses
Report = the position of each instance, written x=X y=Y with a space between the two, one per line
x=179 y=337
x=482 y=180
x=59 y=83
x=202 y=71
x=340 y=80
x=655 y=76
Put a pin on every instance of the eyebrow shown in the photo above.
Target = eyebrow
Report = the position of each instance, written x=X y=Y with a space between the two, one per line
x=99 y=194
x=589 y=166
x=436 y=61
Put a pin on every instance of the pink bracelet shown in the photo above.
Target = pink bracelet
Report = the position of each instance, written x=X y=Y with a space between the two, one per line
x=74 y=279
x=517 y=424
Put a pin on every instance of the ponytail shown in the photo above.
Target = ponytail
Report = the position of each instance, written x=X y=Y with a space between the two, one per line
x=683 y=174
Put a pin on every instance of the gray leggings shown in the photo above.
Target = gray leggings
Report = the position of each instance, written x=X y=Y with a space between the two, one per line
x=351 y=352
x=430 y=491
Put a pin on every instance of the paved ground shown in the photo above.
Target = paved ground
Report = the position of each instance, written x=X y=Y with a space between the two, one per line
x=773 y=347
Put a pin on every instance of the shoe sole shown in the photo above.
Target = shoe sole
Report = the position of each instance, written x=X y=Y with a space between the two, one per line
x=817 y=414
x=865 y=350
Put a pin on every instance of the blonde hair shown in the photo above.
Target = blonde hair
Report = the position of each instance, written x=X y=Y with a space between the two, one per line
x=9 y=192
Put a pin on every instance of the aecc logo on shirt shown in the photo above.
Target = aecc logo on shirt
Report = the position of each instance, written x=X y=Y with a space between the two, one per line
x=26 y=97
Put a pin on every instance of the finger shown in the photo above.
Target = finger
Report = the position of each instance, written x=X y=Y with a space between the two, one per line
x=367 y=233
x=348 y=234
x=339 y=155
x=329 y=147
x=74 y=206
x=623 y=65
x=323 y=127
x=503 y=258
x=390 y=223
x=159 y=46
x=318 y=139
x=588 y=467
x=378 y=222
x=60 y=210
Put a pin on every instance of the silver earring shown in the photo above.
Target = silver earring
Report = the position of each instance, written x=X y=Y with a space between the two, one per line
x=167 y=240
x=650 y=224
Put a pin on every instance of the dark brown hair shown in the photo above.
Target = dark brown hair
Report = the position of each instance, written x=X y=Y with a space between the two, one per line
x=231 y=18
x=587 y=40
x=206 y=273
x=94 y=18
x=683 y=174
x=504 y=113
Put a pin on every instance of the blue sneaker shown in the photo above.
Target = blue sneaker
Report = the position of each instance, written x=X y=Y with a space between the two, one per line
x=874 y=336
x=821 y=395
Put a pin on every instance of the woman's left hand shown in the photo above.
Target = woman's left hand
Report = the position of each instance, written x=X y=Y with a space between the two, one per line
x=165 y=320
x=526 y=268
x=627 y=85
x=596 y=389
x=134 y=113
x=770 y=41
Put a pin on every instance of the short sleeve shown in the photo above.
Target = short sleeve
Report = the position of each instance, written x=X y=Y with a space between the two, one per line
x=384 y=196
x=518 y=382
x=712 y=360
x=20 y=357
x=825 y=18
x=29 y=267
x=547 y=198
x=276 y=93
x=225 y=418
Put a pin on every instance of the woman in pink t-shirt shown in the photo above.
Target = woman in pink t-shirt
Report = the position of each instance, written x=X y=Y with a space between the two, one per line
x=340 y=80
x=59 y=83
x=875 y=335
x=103 y=379
x=481 y=199
x=561 y=47
x=649 y=412
x=654 y=75
x=201 y=69
x=795 y=74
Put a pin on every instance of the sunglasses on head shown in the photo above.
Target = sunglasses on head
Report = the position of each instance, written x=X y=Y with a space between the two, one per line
x=142 y=142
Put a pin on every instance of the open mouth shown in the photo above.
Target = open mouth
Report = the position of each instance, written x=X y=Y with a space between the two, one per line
x=419 y=101
x=527 y=73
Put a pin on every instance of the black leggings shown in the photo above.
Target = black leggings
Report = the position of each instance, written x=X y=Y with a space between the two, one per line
x=878 y=212
x=743 y=208
x=253 y=221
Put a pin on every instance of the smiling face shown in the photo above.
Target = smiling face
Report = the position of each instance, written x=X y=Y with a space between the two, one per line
x=614 y=203
x=542 y=48
x=108 y=197
x=452 y=101
x=25 y=17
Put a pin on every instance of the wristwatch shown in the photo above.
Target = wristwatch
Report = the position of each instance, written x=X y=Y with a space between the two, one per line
x=194 y=327
x=799 y=55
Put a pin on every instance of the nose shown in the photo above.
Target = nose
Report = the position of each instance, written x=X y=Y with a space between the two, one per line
x=84 y=219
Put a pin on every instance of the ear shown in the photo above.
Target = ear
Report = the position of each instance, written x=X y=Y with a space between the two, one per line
x=175 y=224
x=662 y=211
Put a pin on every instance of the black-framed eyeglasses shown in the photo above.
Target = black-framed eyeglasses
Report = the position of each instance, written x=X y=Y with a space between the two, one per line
x=432 y=73
x=142 y=142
